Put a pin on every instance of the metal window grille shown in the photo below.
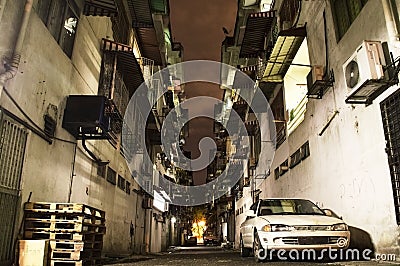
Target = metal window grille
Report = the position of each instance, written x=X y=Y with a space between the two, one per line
x=111 y=176
x=121 y=182
x=128 y=188
x=390 y=109
x=12 y=149
x=101 y=170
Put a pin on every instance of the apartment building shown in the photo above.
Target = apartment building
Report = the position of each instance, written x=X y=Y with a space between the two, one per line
x=69 y=69
x=329 y=71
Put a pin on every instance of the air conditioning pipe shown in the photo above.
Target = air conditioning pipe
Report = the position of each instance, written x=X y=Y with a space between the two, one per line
x=2 y=7
x=392 y=22
x=12 y=66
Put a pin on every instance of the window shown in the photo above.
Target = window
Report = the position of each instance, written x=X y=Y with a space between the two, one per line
x=305 y=150
x=345 y=12
x=111 y=176
x=61 y=19
x=295 y=158
x=277 y=172
x=101 y=170
x=121 y=182
x=128 y=188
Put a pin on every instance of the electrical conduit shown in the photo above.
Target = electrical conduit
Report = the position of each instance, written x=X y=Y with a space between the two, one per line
x=391 y=22
x=12 y=67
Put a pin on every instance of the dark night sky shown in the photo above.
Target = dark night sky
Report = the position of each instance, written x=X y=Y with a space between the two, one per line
x=197 y=24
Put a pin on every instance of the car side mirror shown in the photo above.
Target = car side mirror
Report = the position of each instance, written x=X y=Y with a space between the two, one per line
x=250 y=213
x=330 y=213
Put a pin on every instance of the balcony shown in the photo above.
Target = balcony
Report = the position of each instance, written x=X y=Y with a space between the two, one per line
x=120 y=74
x=106 y=8
x=258 y=26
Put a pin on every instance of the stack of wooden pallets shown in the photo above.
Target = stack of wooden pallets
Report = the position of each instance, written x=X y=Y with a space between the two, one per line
x=75 y=231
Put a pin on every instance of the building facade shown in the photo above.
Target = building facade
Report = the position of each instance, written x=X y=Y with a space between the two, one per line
x=69 y=70
x=332 y=88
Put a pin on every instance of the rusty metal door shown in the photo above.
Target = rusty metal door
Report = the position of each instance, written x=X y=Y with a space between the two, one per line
x=12 y=149
x=390 y=109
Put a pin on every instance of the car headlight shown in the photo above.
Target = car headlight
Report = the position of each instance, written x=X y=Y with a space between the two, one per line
x=281 y=227
x=266 y=228
x=339 y=227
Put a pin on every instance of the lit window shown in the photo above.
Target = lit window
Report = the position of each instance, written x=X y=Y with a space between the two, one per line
x=61 y=19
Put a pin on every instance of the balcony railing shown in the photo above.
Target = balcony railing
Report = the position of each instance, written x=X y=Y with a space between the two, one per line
x=113 y=87
x=147 y=66
x=297 y=115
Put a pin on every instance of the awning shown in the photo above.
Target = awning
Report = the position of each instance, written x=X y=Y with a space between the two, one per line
x=141 y=13
x=258 y=26
x=283 y=53
x=106 y=8
x=129 y=68
x=149 y=44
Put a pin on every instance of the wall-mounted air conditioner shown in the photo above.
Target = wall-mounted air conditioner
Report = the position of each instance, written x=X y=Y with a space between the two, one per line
x=147 y=203
x=316 y=74
x=365 y=64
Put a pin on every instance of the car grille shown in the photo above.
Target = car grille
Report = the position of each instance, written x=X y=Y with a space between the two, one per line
x=312 y=227
x=290 y=240
x=316 y=240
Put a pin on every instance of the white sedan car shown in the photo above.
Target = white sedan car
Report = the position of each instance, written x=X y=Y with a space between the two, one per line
x=282 y=225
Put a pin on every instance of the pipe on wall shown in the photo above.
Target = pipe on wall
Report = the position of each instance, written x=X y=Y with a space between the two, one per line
x=2 y=7
x=12 y=66
x=392 y=21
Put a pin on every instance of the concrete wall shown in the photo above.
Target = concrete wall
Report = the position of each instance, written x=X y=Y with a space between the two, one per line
x=47 y=76
x=347 y=170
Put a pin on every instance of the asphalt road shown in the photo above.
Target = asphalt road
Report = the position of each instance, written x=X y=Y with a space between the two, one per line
x=200 y=255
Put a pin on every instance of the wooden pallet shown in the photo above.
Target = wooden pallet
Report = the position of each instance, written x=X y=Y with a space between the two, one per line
x=34 y=215
x=66 y=263
x=87 y=237
x=63 y=226
x=63 y=208
x=67 y=245
x=67 y=254
x=75 y=245
x=88 y=262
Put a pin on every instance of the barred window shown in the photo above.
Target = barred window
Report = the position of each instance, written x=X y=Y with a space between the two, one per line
x=101 y=170
x=121 y=182
x=128 y=188
x=111 y=176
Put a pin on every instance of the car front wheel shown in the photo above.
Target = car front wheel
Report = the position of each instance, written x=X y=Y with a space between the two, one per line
x=244 y=252
x=260 y=254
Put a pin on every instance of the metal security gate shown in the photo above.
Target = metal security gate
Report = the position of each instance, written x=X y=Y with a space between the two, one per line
x=390 y=109
x=12 y=149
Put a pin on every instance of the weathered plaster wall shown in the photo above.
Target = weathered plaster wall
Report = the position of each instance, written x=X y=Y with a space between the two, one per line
x=47 y=76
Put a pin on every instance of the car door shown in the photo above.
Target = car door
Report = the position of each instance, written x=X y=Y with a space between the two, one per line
x=248 y=227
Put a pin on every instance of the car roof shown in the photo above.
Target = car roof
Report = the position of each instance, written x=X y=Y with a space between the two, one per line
x=284 y=199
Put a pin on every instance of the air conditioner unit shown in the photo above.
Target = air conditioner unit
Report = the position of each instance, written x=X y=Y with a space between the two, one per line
x=316 y=74
x=365 y=64
x=147 y=203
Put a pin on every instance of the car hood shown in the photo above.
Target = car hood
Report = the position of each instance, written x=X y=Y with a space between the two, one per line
x=301 y=219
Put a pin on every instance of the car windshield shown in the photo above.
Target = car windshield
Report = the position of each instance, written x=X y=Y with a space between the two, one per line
x=288 y=206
